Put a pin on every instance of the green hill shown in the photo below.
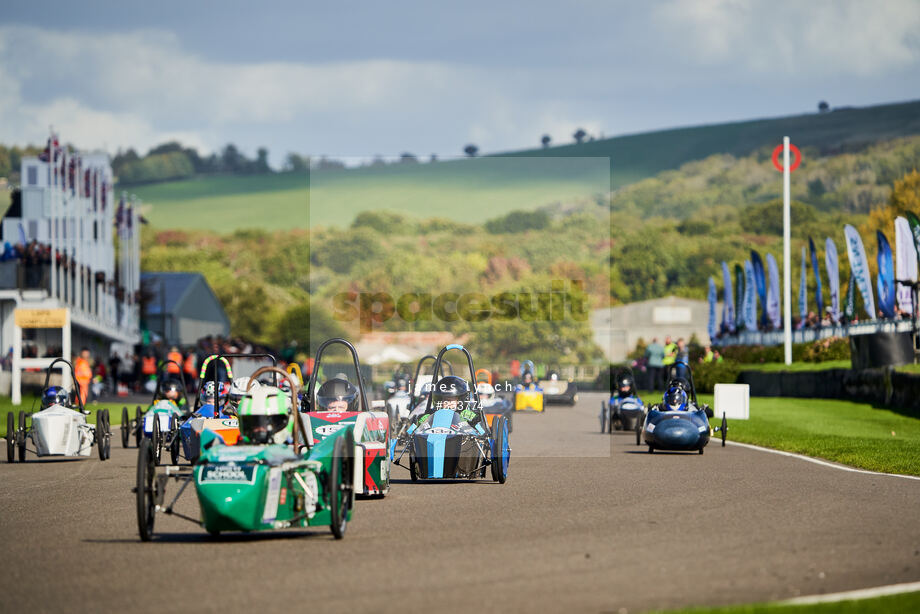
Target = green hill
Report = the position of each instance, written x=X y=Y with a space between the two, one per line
x=486 y=187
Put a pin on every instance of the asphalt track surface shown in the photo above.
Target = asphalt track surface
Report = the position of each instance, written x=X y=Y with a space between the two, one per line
x=586 y=523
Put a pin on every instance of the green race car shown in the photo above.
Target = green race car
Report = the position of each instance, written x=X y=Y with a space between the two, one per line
x=273 y=479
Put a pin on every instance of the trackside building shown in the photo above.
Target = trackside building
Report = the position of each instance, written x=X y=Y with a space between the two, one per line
x=70 y=264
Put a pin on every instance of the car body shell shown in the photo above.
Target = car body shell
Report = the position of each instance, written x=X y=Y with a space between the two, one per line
x=371 y=434
x=61 y=431
x=676 y=430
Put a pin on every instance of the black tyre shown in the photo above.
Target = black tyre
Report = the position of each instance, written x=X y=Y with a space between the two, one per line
x=100 y=433
x=603 y=417
x=611 y=418
x=125 y=427
x=108 y=435
x=146 y=490
x=341 y=491
x=638 y=432
x=21 y=437
x=138 y=426
x=10 y=437
x=413 y=468
x=701 y=450
x=501 y=450
x=174 y=444
x=651 y=449
x=724 y=429
x=157 y=440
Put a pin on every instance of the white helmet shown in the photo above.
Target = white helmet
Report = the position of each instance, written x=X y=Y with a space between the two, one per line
x=485 y=389
x=238 y=390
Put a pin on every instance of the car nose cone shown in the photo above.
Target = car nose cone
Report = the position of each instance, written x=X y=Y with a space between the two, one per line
x=677 y=432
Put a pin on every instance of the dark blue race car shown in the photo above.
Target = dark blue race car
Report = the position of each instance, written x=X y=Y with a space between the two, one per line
x=680 y=422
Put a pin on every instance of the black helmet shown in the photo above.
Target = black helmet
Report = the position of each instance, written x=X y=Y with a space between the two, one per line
x=171 y=385
x=626 y=386
x=679 y=382
x=675 y=399
x=337 y=389
x=450 y=388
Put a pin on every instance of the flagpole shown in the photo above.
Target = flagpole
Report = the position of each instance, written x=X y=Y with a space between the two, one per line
x=787 y=276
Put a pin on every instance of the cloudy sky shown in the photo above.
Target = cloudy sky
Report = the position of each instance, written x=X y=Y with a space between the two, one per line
x=366 y=78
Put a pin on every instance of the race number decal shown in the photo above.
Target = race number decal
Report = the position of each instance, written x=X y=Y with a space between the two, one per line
x=439 y=430
x=329 y=429
x=231 y=473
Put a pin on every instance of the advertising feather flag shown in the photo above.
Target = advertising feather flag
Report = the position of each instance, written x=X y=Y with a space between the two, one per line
x=750 y=297
x=728 y=302
x=819 y=294
x=713 y=298
x=773 y=312
x=859 y=268
x=905 y=262
x=760 y=283
x=884 y=282
x=833 y=277
x=803 y=291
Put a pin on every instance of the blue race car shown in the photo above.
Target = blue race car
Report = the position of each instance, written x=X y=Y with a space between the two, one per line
x=680 y=422
x=624 y=410
x=452 y=439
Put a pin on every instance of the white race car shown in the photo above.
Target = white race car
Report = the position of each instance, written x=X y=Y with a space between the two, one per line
x=60 y=428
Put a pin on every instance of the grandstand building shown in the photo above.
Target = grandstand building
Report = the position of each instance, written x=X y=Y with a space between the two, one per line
x=70 y=264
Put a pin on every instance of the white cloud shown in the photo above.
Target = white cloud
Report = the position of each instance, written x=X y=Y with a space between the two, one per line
x=821 y=37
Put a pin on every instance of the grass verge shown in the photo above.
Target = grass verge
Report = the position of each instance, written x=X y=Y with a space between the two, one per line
x=893 y=604
x=855 y=434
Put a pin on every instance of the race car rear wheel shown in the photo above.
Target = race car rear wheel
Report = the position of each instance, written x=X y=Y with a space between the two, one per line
x=174 y=445
x=340 y=490
x=146 y=490
x=138 y=427
x=10 y=437
x=157 y=441
x=125 y=427
x=603 y=417
x=651 y=449
x=701 y=450
x=501 y=450
x=100 y=433
x=413 y=468
x=724 y=428
x=638 y=432
x=21 y=437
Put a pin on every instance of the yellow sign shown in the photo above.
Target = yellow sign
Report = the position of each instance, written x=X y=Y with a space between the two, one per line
x=40 y=318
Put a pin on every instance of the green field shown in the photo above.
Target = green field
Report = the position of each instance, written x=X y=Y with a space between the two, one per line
x=854 y=434
x=484 y=188
x=891 y=604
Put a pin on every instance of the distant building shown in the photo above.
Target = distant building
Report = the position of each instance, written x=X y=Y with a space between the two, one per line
x=618 y=329
x=181 y=308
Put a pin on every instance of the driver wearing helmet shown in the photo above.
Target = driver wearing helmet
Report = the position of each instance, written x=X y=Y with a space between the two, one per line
x=676 y=399
x=264 y=416
x=237 y=391
x=337 y=394
x=527 y=383
x=452 y=392
x=171 y=390
x=55 y=395
x=206 y=410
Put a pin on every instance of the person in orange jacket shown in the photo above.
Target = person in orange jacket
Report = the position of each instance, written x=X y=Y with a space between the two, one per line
x=83 y=372
x=176 y=357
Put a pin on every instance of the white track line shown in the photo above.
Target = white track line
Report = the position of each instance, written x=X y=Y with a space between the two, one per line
x=864 y=593
x=818 y=461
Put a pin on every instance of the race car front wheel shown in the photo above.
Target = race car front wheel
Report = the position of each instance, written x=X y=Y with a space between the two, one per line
x=340 y=489
x=125 y=427
x=146 y=490
x=10 y=438
x=157 y=440
x=501 y=450
x=724 y=429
